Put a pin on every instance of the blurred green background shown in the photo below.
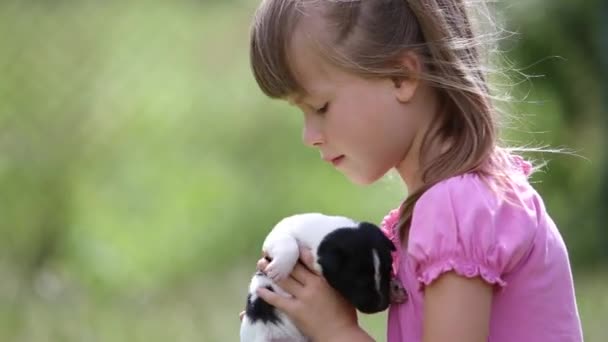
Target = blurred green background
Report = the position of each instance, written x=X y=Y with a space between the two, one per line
x=141 y=167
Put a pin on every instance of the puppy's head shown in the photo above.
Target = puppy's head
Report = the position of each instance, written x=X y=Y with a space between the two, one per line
x=357 y=263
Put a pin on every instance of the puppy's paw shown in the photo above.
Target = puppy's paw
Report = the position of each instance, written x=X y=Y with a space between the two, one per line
x=277 y=271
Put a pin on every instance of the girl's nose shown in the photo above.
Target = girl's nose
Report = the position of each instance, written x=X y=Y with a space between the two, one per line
x=311 y=134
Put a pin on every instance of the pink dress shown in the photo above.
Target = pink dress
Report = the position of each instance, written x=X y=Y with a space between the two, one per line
x=461 y=225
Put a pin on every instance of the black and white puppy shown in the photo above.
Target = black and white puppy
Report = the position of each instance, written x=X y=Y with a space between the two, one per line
x=354 y=258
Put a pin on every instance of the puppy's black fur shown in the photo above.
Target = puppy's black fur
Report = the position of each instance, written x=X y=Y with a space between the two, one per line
x=356 y=261
x=260 y=310
x=346 y=256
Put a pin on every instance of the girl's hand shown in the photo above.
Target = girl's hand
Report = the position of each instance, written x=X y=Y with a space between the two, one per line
x=319 y=311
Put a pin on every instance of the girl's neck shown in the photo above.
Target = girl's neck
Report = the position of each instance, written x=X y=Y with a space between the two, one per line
x=409 y=168
x=412 y=166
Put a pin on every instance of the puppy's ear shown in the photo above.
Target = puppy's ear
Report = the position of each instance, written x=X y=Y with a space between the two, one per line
x=391 y=245
x=332 y=256
x=378 y=235
x=368 y=227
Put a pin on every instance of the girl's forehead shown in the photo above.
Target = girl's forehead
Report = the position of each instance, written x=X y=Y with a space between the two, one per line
x=306 y=61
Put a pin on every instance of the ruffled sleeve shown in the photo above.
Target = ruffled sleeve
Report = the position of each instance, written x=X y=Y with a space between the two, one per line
x=461 y=225
x=389 y=228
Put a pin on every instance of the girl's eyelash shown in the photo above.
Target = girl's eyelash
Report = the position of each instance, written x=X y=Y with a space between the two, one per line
x=323 y=109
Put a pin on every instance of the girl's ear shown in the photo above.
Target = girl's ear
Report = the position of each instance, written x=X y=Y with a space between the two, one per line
x=405 y=86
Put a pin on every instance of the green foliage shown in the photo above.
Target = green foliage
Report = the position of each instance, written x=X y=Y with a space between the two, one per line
x=139 y=161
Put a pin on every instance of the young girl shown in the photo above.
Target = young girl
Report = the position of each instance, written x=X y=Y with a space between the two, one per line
x=400 y=84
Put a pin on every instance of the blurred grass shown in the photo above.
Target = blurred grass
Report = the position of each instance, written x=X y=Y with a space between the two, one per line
x=203 y=310
x=140 y=168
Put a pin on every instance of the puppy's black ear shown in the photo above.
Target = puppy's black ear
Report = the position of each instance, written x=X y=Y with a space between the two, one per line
x=332 y=255
x=368 y=226
x=331 y=263
x=391 y=245
x=378 y=235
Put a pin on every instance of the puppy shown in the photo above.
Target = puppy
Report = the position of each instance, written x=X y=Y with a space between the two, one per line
x=354 y=257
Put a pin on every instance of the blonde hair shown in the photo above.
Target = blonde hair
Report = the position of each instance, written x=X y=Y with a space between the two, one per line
x=367 y=38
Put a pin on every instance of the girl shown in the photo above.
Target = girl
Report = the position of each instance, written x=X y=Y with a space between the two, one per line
x=400 y=84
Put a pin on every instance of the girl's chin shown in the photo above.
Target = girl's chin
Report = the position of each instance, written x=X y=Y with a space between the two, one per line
x=362 y=179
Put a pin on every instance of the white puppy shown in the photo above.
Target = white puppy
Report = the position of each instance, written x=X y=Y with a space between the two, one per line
x=354 y=257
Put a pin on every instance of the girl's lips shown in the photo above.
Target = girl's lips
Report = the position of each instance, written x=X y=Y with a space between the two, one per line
x=337 y=160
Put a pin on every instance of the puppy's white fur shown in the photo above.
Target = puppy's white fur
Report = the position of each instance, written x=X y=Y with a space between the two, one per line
x=307 y=230
x=261 y=332
x=282 y=246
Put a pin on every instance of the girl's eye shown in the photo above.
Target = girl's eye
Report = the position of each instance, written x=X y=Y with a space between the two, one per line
x=323 y=109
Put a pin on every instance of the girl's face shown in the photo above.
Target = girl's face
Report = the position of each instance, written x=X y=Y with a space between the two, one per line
x=364 y=127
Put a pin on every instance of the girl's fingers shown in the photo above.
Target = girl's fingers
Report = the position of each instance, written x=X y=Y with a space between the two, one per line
x=241 y=315
x=308 y=259
x=302 y=274
x=291 y=285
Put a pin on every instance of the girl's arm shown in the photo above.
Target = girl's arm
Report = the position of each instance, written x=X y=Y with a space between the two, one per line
x=457 y=309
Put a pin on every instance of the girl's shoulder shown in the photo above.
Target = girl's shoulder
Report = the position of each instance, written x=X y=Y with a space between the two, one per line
x=476 y=191
x=464 y=224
